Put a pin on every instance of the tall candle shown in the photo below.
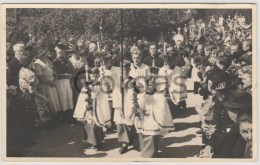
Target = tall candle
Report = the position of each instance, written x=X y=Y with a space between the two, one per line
x=164 y=48
x=98 y=45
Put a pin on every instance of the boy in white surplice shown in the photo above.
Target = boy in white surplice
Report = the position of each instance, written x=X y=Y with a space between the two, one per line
x=155 y=119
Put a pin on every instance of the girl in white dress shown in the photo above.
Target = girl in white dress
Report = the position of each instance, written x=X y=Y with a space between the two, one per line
x=94 y=115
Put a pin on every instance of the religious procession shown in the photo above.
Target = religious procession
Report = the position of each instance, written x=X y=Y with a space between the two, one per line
x=133 y=85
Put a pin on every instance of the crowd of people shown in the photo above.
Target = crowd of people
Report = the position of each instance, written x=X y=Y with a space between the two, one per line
x=69 y=80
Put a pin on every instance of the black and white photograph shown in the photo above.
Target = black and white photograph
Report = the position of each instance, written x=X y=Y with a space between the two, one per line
x=129 y=82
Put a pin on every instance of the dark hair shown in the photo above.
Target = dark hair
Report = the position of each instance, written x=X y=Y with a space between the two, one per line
x=245 y=115
x=225 y=61
x=237 y=43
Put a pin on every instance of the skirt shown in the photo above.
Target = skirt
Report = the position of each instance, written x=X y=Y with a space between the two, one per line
x=100 y=114
x=52 y=94
x=65 y=94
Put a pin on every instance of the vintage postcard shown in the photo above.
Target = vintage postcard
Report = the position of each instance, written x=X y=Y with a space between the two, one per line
x=129 y=82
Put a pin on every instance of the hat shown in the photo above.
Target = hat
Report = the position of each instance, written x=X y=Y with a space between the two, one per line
x=61 y=46
x=238 y=99
x=232 y=82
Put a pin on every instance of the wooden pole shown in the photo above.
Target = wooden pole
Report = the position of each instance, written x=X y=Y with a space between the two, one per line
x=122 y=60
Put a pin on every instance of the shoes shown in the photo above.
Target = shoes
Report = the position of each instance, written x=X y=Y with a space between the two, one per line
x=110 y=129
x=199 y=132
x=131 y=143
x=97 y=147
x=123 y=150
x=182 y=104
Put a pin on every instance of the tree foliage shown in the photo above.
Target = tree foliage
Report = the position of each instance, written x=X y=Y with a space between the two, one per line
x=65 y=23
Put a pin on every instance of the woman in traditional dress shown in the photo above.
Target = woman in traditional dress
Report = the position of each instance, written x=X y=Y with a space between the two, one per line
x=27 y=96
x=47 y=82
x=155 y=119
x=78 y=64
x=62 y=67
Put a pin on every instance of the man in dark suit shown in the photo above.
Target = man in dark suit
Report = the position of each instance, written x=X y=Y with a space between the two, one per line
x=92 y=55
x=18 y=129
x=16 y=64
x=153 y=60
x=116 y=59
x=175 y=56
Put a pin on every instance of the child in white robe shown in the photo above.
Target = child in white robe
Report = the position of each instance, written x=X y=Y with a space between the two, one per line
x=155 y=119
x=95 y=115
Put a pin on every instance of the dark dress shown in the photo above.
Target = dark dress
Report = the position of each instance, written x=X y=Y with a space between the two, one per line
x=15 y=66
x=178 y=57
x=90 y=60
x=62 y=66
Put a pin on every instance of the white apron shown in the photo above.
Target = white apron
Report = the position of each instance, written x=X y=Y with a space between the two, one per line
x=65 y=94
x=100 y=113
